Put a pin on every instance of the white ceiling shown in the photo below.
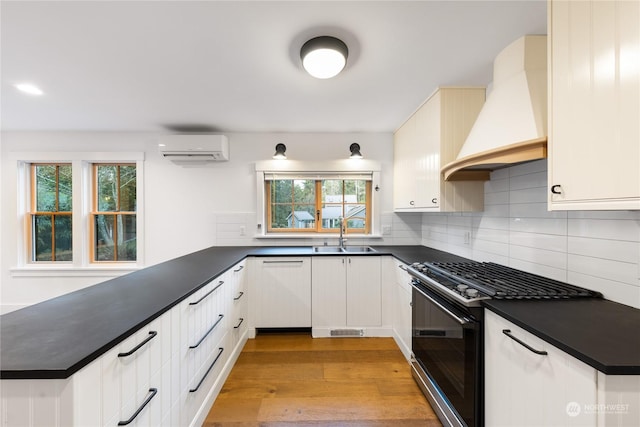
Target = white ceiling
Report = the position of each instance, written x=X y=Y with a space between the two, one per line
x=234 y=66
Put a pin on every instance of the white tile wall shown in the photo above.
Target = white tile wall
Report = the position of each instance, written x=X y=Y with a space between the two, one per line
x=597 y=250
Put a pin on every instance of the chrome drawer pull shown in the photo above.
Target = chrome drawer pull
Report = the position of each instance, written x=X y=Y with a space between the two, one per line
x=220 y=316
x=507 y=332
x=220 y=350
x=239 y=296
x=153 y=392
x=208 y=293
x=151 y=336
x=238 y=325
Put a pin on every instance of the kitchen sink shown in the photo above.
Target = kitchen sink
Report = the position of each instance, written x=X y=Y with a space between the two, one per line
x=338 y=249
x=327 y=249
x=359 y=249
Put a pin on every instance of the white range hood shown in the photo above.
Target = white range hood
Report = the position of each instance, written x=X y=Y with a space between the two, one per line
x=512 y=125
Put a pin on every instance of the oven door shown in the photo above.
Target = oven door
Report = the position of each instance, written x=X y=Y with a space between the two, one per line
x=446 y=348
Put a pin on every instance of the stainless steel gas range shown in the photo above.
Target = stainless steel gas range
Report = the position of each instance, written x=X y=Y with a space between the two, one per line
x=447 y=336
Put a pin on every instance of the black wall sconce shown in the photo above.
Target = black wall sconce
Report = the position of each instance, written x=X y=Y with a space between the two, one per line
x=280 y=150
x=355 y=151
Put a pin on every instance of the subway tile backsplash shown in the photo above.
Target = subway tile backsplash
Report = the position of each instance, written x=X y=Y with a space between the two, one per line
x=599 y=250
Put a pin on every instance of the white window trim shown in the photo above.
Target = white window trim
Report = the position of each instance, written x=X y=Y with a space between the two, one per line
x=343 y=166
x=81 y=163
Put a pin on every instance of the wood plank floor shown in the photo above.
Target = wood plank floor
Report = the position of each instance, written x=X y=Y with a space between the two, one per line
x=294 y=380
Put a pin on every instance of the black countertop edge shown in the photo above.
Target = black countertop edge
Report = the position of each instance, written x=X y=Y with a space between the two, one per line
x=566 y=343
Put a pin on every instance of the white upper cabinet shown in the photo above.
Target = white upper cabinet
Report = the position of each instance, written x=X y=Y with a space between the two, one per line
x=428 y=140
x=594 y=105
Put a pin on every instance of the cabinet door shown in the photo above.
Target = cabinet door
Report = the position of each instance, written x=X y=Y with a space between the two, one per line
x=329 y=292
x=283 y=293
x=426 y=153
x=364 y=291
x=402 y=308
x=528 y=389
x=594 y=154
x=404 y=183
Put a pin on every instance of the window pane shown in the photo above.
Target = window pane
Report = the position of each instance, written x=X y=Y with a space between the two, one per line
x=126 y=237
x=355 y=223
x=281 y=216
x=332 y=191
x=42 y=238
x=303 y=217
x=331 y=216
x=281 y=191
x=304 y=191
x=104 y=227
x=128 y=188
x=45 y=188
x=355 y=191
x=106 y=187
x=64 y=188
x=63 y=241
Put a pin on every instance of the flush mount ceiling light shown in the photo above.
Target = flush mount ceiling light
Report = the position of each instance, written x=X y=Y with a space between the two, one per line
x=279 y=154
x=29 y=89
x=355 y=151
x=324 y=57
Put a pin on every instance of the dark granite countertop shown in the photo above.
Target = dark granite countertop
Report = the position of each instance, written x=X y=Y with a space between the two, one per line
x=56 y=338
x=603 y=334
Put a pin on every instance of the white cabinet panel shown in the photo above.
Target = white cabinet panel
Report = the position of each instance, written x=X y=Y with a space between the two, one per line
x=401 y=303
x=282 y=292
x=329 y=286
x=594 y=154
x=528 y=389
x=347 y=292
x=364 y=291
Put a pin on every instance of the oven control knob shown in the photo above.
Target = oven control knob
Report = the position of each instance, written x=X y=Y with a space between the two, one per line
x=472 y=293
x=462 y=288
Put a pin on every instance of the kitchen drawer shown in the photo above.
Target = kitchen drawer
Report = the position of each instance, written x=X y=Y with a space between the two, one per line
x=128 y=367
x=194 y=395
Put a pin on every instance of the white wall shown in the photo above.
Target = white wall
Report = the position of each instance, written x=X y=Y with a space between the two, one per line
x=596 y=250
x=186 y=208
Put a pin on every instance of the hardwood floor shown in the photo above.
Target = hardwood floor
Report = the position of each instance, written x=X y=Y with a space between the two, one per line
x=294 y=380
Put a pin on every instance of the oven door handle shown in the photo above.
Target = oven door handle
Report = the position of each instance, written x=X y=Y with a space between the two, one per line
x=463 y=321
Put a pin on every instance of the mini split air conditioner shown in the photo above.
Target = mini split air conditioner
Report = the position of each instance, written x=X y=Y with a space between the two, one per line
x=194 y=148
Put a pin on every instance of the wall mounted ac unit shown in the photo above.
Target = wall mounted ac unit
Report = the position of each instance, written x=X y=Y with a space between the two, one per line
x=194 y=148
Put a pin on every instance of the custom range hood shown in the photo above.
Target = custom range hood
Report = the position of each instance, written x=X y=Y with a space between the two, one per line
x=512 y=125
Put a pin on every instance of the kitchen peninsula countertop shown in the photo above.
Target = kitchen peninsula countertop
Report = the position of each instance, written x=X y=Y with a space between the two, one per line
x=58 y=337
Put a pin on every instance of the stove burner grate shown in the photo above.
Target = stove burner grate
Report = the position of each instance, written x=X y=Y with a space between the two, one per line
x=508 y=283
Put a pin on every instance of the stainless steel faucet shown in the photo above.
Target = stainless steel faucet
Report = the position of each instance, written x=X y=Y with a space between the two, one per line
x=341 y=240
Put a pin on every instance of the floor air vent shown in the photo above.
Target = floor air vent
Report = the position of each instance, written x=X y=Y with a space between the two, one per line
x=347 y=332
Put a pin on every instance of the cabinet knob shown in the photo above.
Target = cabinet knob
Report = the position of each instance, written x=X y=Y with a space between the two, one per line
x=556 y=189
x=412 y=203
x=434 y=200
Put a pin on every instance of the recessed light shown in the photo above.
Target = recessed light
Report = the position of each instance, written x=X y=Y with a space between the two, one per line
x=29 y=88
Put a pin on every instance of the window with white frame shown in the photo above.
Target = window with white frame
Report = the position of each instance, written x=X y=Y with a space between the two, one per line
x=80 y=209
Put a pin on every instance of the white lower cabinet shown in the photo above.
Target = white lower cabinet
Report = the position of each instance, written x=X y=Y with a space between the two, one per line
x=346 y=295
x=280 y=292
x=401 y=307
x=168 y=373
x=523 y=388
